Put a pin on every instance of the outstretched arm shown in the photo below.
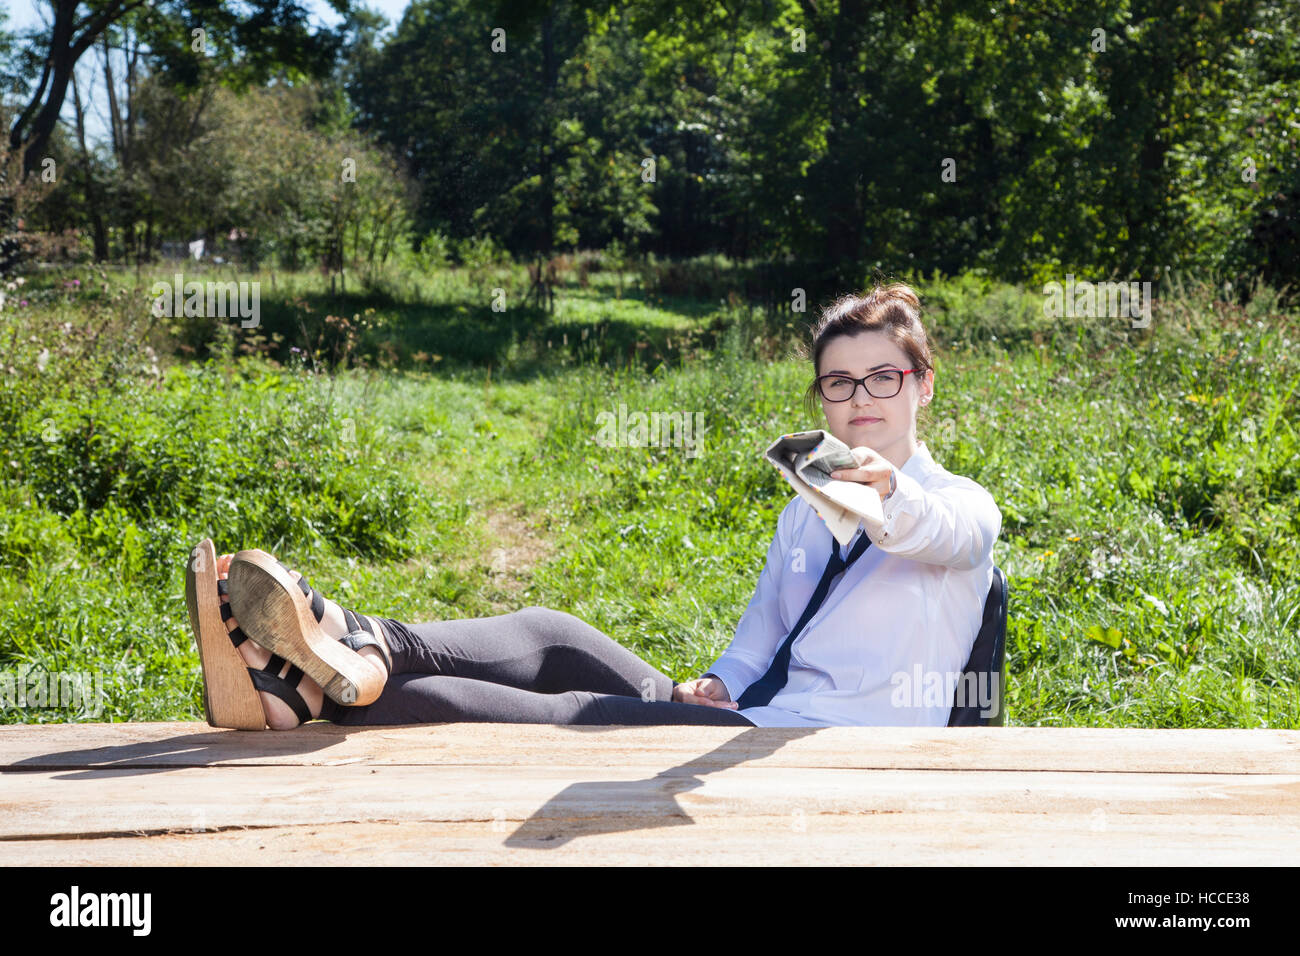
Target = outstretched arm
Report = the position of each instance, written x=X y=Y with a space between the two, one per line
x=952 y=524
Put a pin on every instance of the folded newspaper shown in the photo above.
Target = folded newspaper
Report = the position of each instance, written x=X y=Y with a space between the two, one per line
x=807 y=460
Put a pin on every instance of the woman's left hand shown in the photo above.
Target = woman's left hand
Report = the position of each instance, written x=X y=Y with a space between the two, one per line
x=874 y=471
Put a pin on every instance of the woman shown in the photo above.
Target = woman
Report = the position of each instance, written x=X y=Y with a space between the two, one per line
x=907 y=607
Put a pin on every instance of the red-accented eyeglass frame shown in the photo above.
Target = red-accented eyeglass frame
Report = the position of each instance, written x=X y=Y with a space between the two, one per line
x=863 y=382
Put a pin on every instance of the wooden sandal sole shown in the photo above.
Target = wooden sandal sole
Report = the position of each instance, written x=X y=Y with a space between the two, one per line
x=229 y=698
x=275 y=613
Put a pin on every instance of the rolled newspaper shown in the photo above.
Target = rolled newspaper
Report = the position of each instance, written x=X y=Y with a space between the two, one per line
x=807 y=460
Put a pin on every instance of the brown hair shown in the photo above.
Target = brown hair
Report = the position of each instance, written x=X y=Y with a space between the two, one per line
x=894 y=309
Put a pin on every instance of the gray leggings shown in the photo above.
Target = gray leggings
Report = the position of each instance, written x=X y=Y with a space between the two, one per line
x=532 y=666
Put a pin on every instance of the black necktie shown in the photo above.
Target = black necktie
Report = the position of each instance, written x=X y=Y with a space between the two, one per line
x=764 y=689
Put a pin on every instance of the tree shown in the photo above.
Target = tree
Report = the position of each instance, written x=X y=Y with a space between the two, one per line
x=530 y=141
x=273 y=37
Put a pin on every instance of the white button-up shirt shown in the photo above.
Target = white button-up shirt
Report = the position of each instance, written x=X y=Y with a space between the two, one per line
x=888 y=643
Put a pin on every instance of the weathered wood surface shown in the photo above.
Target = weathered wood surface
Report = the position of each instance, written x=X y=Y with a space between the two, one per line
x=184 y=793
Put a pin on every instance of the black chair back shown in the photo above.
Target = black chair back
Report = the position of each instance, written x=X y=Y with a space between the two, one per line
x=983 y=678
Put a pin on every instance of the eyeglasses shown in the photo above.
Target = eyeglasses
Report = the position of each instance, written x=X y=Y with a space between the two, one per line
x=883 y=383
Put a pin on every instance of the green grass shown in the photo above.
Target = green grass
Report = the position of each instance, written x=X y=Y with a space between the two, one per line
x=439 y=459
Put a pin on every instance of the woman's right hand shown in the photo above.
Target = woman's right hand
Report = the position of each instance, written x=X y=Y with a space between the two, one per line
x=708 y=691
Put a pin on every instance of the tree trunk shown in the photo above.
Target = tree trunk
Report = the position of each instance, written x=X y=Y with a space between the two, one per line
x=844 y=219
x=98 y=230
x=37 y=121
x=550 y=79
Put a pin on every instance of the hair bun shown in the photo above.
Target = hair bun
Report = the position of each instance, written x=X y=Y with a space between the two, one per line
x=897 y=290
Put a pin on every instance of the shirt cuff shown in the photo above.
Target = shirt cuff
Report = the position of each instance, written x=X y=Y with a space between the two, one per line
x=893 y=485
x=730 y=677
x=906 y=490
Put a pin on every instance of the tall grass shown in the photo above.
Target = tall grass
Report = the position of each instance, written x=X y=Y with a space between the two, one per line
x=1146 y=477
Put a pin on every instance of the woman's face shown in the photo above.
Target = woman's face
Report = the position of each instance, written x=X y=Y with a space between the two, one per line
x=885 y=425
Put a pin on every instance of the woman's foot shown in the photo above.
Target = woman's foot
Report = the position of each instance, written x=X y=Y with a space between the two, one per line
x=279 y=715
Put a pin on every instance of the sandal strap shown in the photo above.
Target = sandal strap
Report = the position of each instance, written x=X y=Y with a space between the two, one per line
x=359 y=639
x=226 y=612
x=237 y=636
x=275 y=664
x=223 y=587
x=383 y=636
x=360 y=624
x=282 y=689
x=317 y=600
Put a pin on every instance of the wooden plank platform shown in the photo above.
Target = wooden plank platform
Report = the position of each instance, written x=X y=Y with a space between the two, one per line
x=185 y=794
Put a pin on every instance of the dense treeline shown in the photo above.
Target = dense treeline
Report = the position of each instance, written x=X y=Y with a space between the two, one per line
x=1104 y=138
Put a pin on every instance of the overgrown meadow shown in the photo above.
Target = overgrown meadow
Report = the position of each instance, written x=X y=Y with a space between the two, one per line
x=418 y=455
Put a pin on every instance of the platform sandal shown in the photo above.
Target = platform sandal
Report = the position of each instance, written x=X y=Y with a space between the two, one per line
x=267 y=678
x=230 y=697
x=230 y=685
x=360 y=631
x=284 y=616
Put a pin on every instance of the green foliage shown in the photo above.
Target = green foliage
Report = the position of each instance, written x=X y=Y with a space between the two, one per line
x=266 y=459
x=1101 y=139
x=434 y=252
x=1073 y=140
x=479 y=252
x=1146 y=479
